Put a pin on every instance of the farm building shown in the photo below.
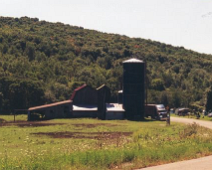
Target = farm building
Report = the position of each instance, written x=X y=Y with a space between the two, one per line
x=134 y=89
x=84 y=95
x=50 y=111
x=84 y=102
x=114 y=111
x=103 y=93
x=95 y=103
x=89 y=102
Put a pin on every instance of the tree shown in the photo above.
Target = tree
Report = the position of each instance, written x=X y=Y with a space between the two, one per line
x=20 y=94
x=164 y=98
x=176 y=99
x=157 y=84
x=30 y=51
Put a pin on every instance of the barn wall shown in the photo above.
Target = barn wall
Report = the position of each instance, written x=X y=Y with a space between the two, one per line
x=87 y=95
x=81 y=114
x=114 y=116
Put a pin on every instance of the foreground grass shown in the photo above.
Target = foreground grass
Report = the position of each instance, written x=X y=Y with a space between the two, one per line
x=96 y=144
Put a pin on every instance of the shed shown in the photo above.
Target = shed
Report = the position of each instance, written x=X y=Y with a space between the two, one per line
x=61 y=109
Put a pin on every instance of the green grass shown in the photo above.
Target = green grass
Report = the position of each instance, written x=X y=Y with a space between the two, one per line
x=96 y=144
x=11 y=117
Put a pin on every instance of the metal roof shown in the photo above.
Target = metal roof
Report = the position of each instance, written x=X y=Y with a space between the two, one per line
x=49 y=105
x=114 y=107
x=133 y=60
x=84 y=107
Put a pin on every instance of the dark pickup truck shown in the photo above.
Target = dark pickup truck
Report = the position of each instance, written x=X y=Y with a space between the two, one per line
x=156 y=111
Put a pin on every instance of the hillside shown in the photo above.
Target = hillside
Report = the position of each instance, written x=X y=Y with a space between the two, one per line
x=43 y=62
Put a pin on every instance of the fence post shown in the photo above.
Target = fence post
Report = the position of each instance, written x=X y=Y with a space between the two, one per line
x=168 y=116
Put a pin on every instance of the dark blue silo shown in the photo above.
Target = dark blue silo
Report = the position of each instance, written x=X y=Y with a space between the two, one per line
x=134 y=88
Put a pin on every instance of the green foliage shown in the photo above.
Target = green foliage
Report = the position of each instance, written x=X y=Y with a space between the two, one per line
x=64 y=55
x=18 y=94
x=157 y=84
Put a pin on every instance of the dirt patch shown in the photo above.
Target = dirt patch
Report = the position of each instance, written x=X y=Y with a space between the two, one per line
x=43 y=123
x=85 y=135
x=93 y=125
x=38 y=124
x=28 y=124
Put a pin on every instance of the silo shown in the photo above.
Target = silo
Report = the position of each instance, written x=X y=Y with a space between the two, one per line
x=120 y=96
x=134 y=89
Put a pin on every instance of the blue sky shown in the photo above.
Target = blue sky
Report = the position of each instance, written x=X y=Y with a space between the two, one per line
x=186 y=23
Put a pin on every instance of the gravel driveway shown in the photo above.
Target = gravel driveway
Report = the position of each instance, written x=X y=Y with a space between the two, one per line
x=204 y=163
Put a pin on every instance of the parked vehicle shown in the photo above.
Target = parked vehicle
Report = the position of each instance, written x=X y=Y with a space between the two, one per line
x=182 y=111
x=171 y=111
x=210 y=114
x=156 y=111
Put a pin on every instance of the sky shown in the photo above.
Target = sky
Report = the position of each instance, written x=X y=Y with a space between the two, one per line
x=186 y=23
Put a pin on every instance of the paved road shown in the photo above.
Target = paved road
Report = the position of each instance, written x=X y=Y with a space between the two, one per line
x=204 y=163
x=207 y=124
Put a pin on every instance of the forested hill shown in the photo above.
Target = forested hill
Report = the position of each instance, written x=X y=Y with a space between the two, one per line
x=42 y=62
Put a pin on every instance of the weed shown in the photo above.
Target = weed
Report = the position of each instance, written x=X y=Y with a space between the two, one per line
x=190 y=130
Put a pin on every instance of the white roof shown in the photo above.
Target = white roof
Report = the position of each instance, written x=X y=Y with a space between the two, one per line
x=114 y=107
x=133 y=60
x=110 y=107
x=85 y=108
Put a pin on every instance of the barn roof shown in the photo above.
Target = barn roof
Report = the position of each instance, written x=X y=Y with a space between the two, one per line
x=49 y=105
x=84 y=107
x=114 y=107
x=76 y=90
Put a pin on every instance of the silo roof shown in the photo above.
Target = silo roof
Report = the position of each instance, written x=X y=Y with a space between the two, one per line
x=133 y=60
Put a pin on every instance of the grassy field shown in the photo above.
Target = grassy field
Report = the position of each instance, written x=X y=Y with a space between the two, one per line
x=95 y=144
